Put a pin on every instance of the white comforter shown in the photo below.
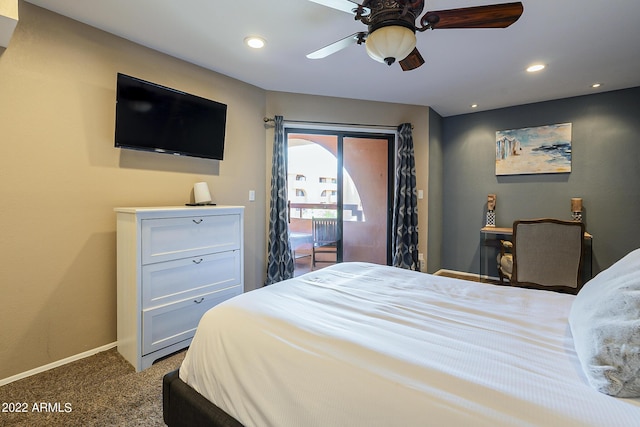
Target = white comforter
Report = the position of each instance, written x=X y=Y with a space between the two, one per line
x=359 y=344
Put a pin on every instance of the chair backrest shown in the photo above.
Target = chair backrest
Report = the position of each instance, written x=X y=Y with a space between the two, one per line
x=325 y=230
x=548 y=254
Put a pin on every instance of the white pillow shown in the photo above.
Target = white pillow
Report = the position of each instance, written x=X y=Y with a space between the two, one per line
x=605 y=324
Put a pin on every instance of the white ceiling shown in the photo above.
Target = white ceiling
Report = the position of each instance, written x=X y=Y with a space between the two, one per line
x=580 y=41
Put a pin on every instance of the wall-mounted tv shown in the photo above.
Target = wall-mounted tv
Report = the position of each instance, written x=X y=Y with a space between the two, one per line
x=156 y=118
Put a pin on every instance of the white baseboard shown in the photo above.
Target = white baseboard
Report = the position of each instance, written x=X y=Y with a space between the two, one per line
x=52 y=365
x=444 y=271
x=474 y=276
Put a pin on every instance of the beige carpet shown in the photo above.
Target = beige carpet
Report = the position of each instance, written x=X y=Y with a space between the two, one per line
x=101 y=390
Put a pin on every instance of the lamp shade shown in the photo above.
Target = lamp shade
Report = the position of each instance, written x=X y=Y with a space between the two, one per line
x=201 y=193
x=576 y=204
x=391 y=43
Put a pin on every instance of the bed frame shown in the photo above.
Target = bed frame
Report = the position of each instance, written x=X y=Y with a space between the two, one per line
x=183 y=406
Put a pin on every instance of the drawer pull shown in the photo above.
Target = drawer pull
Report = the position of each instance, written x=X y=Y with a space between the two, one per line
x=198 y=301
x=197 y=221
x=197 y=261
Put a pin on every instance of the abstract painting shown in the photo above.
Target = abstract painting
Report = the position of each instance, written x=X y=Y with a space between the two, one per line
x=535 y=150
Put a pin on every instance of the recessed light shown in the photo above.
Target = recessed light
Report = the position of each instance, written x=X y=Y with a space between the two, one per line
x=255 y=42
x=474 y=105
x=596 y=85
x=535 y=67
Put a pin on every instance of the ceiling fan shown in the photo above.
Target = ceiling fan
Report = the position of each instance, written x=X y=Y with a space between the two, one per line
x=392 y=25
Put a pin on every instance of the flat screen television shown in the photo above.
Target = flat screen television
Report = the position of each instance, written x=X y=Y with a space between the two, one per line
x=151 y=117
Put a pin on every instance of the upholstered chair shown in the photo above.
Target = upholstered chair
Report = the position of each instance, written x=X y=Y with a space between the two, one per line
x=544 y=254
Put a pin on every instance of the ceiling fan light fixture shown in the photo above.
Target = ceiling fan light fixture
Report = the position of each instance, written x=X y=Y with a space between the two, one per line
x=390 y=43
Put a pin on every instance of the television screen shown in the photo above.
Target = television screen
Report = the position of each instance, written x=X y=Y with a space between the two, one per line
x=151 y=117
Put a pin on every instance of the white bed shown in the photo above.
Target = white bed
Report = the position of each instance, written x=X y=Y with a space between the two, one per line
x=359 y=344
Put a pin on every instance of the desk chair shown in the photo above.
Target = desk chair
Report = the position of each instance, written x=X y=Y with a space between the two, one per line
x=545 y=254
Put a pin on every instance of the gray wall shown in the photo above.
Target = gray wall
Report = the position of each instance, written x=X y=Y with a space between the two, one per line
x=605 y=173
x=434 y=245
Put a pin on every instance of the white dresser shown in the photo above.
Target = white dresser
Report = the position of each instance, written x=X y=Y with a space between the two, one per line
x=174 y=263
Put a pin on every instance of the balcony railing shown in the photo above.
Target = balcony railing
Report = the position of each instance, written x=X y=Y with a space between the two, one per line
x=322 y=210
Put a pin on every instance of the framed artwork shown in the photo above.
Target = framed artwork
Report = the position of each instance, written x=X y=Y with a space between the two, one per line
x=535 y=150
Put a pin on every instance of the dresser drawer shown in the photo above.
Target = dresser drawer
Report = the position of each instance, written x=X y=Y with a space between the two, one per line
x=165 y=239
x=171 y=281
x=170 y=324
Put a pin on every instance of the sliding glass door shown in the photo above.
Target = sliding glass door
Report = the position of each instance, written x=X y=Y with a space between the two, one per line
x=339 y=186
x=366 y=197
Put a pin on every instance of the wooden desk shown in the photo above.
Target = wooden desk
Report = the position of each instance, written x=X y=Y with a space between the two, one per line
x=508 y=231
x=490 y=243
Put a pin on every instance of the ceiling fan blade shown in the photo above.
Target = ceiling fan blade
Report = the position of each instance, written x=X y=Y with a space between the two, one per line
x=491 y=16
x=413 y=61
x=355 y=38
x=343 y=5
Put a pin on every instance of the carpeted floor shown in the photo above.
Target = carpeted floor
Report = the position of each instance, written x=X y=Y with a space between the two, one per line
x=101 y=390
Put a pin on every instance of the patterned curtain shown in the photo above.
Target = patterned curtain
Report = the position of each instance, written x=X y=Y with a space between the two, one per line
x=405 y=211
x=280 y=264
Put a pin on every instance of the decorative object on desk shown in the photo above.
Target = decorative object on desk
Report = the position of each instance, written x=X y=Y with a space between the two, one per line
x=491 y=219
x=491 y=202
x=491 y=214
x=535 y=150
x=201 y=195
x=576 y=209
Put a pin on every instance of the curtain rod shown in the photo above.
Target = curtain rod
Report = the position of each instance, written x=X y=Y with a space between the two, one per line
x=306 y=122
